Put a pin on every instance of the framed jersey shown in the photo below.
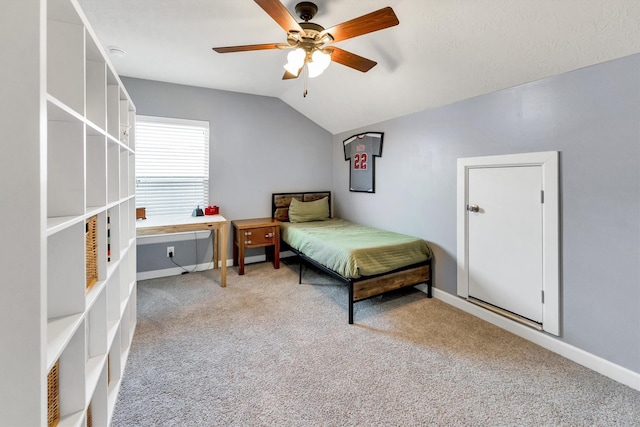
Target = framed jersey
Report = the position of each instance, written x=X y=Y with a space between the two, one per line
x=361 y=151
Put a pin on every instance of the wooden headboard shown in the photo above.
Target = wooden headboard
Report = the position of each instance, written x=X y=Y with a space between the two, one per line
x=280 y=202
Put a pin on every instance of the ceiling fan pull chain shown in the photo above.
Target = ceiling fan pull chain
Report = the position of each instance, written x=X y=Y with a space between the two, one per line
x=306 y=76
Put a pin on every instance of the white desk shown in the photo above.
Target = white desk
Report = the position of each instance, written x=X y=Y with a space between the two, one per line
x=167 y=224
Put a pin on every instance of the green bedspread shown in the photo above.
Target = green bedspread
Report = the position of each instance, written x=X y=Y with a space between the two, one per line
x=354 y=250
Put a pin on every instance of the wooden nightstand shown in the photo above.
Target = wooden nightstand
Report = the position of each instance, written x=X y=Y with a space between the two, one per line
x=255 y=233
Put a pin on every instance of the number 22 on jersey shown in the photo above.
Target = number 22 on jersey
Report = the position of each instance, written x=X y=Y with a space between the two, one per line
x=360 y=161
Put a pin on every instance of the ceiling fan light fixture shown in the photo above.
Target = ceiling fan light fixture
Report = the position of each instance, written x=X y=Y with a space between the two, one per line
x=295 y=60
x=296 y=57
x=322 y=58
x=319 y=62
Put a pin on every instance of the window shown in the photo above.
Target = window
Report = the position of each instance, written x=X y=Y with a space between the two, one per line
x=172 y=165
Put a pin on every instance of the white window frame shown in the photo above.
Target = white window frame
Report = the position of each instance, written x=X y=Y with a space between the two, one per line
x=172 y=170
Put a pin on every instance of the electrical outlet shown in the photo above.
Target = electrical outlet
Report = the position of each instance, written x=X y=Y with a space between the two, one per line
x=171 y=252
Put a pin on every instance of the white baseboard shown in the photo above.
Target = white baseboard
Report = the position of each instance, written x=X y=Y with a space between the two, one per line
x=551 y=343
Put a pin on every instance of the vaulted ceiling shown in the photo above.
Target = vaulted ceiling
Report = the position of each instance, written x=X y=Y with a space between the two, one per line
x=441 y=52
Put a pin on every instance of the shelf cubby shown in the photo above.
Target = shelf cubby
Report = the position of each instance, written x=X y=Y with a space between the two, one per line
x=132 y=175
x=124 y=280
x=59 y=333
x=113 y=106
x=133 y=306
x=132 y=220
x=97 y=328
x=113 y=306
x=113 y=171
x=65 y=160
x=115 y=370
x=124 y=225
x=96 y=349
x=125 y=331
x=132 y=128
x=96 y=84
x=114 y=232
x=132 y=270
x=96 y=173
x=65 y=56
x=124 y=120
x=66 y=275
x=72 y=377
x=99 y=401
x=115 y=366
x=124 y=172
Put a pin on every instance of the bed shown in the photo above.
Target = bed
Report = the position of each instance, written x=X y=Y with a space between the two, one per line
x=368 y=260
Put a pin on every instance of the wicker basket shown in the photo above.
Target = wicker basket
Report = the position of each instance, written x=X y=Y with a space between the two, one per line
x=89 y=416
x=53 y=396
x=92 y=250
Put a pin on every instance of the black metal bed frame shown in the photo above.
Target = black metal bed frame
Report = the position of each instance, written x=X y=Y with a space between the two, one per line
x=351 y=282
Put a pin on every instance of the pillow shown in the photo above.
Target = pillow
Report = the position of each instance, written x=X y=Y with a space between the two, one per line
x=318 y=210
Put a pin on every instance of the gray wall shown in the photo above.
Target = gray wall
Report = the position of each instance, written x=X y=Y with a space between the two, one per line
x=592 y=117
x=259 y=145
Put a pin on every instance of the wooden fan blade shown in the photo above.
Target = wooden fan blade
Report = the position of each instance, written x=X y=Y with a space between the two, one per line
x=281 y=15
x=374 y=21
x=351 y=60
x=249 y=47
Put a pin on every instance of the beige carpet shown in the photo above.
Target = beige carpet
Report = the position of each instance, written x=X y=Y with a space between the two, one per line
x=265 y=351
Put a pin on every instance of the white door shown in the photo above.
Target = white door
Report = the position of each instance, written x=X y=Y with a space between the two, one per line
x=505 y=241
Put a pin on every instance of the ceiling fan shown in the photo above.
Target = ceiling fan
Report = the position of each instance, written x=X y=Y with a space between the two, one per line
x=312 y=44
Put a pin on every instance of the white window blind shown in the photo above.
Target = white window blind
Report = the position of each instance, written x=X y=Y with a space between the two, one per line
x=172 y=165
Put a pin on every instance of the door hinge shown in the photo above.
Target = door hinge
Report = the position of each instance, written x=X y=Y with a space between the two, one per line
x=542 y=295
x=541 y=196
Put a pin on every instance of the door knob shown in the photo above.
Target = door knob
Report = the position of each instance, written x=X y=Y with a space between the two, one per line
x=473 y=208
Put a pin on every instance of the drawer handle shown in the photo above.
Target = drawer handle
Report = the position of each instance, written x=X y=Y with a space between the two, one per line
x=247 y=233
x=248 y=242
x=268 y=235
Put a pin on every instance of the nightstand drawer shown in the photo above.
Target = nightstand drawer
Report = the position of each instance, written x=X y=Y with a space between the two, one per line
x=259 y=236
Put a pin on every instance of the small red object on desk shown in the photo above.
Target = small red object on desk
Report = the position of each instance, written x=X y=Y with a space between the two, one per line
x=211 y=210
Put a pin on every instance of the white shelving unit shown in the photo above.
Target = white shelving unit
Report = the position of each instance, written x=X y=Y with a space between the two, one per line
x=69 y=159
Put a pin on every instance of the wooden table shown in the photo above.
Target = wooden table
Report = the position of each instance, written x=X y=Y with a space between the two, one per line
x=255 y=233
x=168 y=224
